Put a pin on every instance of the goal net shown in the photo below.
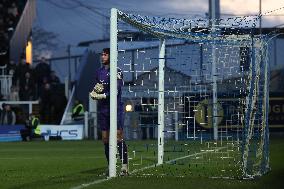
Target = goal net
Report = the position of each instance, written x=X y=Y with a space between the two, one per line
x=196 y=95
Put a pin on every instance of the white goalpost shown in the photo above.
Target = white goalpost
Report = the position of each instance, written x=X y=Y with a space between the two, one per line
x=113 y=99
x=161 y=117
x=113 y=94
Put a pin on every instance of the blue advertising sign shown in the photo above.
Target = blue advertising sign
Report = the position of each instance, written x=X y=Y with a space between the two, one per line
x=9 y=133
x=66 y=132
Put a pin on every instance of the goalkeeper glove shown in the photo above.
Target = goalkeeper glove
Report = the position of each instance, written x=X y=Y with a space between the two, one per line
x=99 y=88
x=96 y=96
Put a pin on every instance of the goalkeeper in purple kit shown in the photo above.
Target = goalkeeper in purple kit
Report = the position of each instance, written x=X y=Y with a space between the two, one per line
x=101 y=93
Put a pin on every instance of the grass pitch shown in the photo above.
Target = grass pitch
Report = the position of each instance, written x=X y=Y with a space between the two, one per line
x=71 y=164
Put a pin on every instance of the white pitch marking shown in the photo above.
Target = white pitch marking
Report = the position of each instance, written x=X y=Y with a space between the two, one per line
x=138 y=170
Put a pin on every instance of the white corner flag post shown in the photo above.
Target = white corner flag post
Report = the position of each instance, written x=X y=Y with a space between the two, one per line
x=113 y=94
x=161 y=118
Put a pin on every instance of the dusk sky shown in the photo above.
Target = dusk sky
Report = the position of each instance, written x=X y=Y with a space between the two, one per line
x=82 y=20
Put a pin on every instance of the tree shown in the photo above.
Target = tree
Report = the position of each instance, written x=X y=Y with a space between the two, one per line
x=44 y=43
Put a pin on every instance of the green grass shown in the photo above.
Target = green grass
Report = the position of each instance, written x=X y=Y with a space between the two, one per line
x=66 y=164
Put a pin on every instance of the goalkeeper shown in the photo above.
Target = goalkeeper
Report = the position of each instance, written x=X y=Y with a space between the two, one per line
x=101 y=93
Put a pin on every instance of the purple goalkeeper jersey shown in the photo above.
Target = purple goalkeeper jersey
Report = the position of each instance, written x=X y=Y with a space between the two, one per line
x=103 y=76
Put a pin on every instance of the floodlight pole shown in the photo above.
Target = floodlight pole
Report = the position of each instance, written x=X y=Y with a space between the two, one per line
x=113 y=94
x=161 y=118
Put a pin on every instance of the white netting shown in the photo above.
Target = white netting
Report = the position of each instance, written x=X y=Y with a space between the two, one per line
x=242 y=91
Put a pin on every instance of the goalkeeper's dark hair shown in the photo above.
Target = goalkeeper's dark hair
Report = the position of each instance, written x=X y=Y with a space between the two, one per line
x=106 y=50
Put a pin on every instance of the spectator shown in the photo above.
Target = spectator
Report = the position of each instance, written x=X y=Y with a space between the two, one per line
x=78 y=111
x=41 y=85
x=14 y=95
x=32 y=129
x=27 y=89
x=11 y=68
x=13 y=10
x=26 y=93
x=9 y=15
x=4 y=55
x=46 y=104
x=8 y=116
x=2 y=97
x=10 y=25
x=20 y=71
x=59 y=103
x=53 y=79
x=42 y=70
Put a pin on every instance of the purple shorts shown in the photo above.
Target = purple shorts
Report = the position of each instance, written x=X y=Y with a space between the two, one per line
x=104 y=120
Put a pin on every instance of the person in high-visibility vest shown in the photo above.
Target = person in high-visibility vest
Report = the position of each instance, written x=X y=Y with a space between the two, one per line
x=78 y=111
x=35 y=125
x=32 y=129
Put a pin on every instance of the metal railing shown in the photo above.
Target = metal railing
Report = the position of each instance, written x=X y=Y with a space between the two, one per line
x=29 y=103
x=68 y=110
x=6 y=83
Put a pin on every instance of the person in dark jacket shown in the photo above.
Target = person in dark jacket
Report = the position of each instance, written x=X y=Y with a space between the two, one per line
x=8 y=116
x=20 y=72
x=46 y=104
